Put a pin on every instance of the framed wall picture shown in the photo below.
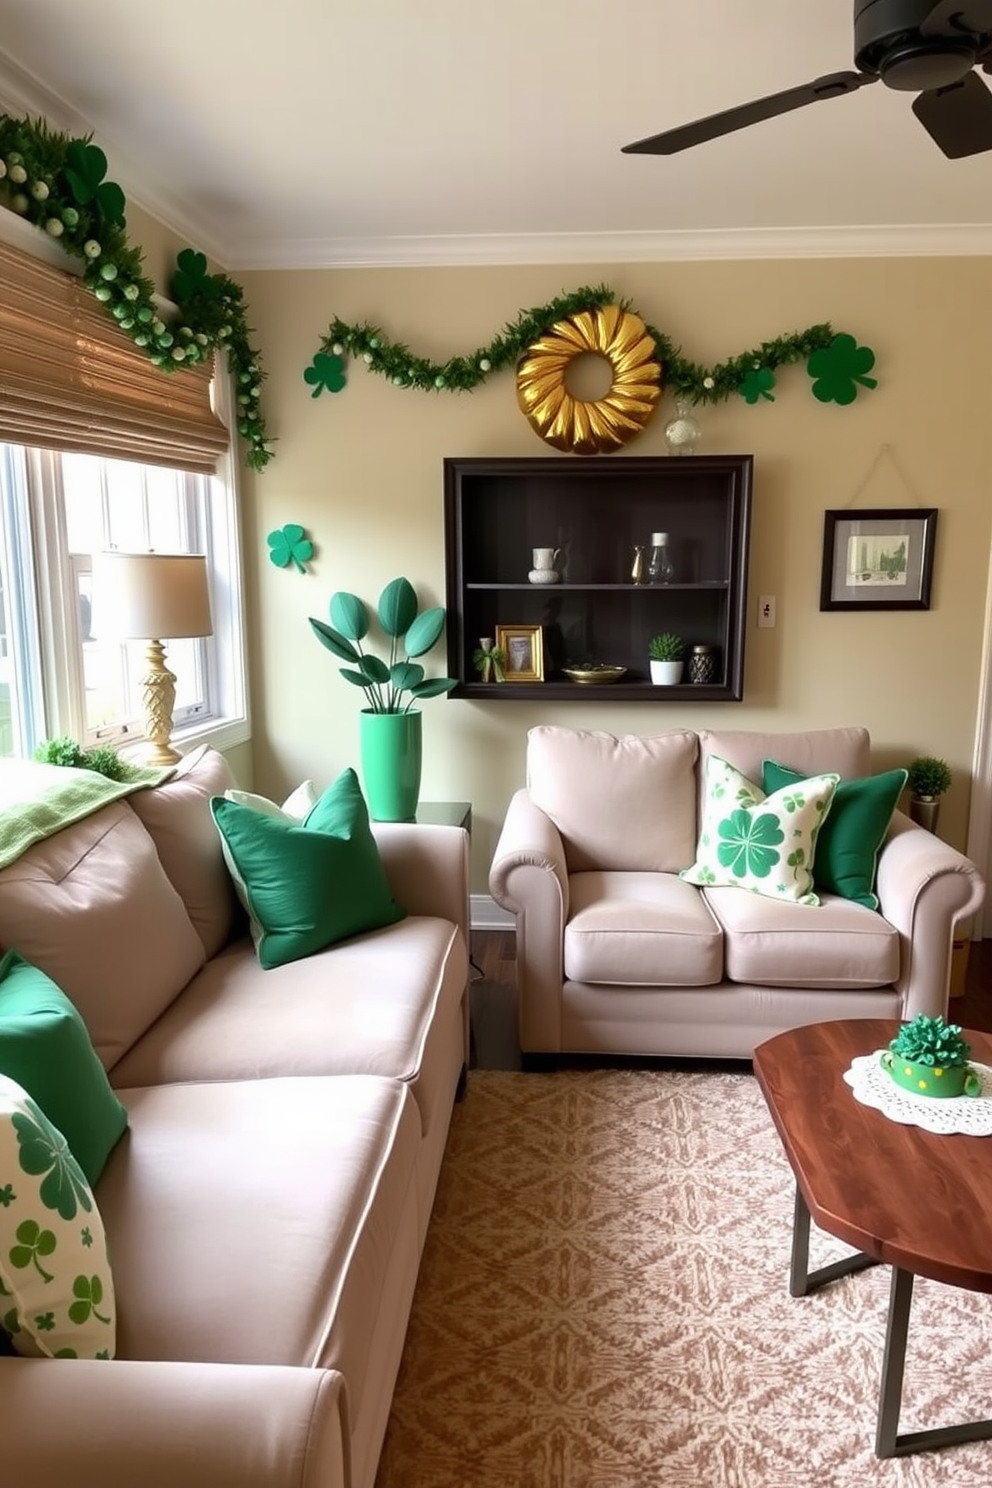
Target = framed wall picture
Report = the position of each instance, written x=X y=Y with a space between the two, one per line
x=523 y=647
x=878 y=559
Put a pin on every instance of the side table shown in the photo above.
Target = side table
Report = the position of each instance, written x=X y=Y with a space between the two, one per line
x=446 y=814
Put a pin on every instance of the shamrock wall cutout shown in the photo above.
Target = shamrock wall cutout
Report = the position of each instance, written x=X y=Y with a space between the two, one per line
x=839 y=368
x=290 y=544
x=85 y=168
x=758 y=383
x=326 y=371
x=191 y=277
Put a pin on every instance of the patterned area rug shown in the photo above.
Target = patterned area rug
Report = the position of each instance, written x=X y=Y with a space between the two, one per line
x=604 y=1303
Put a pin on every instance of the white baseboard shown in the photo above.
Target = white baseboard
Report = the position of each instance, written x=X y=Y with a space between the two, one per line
x=485 y=914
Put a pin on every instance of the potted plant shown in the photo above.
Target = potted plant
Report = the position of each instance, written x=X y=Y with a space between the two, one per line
x=930 y=1057
x=391 y=739
x=667 y=656
x=928 y=778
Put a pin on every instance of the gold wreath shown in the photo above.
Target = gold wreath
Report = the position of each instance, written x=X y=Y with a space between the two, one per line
x=572 y=423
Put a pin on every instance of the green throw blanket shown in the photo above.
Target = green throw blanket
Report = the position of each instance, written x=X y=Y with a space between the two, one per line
x=37 y=800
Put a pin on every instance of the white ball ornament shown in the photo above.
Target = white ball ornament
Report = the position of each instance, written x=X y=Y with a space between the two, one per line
x=70 y=216
x=709 y=382
x=39 y=190
x=18 y=174
x=92 y=248
x=3 y=167
x=337 y=349
x=439 y=381
x=19 y=202
x=367 y=357
x=108 y=271
x=485 y=365
x=131 y=291
x=54 y=227
x=179 y=353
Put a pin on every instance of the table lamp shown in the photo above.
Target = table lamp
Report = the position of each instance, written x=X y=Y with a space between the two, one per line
x=152 y=597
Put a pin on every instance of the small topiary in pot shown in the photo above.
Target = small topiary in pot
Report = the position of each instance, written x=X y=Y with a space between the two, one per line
x=930 y=1057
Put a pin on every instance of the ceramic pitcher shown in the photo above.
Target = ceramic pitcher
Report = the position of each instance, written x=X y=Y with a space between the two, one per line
x=544 y=570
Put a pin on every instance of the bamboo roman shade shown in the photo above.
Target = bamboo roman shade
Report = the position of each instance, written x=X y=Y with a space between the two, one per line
x=71 y=380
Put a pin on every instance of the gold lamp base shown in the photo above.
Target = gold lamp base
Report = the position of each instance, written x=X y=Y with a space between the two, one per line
x=158 y=694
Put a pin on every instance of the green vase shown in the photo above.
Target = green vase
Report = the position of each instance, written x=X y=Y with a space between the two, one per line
x=391 y=755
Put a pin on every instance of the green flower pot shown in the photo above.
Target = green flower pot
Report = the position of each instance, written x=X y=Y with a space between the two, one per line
x=391 y=755
x=939 y=1081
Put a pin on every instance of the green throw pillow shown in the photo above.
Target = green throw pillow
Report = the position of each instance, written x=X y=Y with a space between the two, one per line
x=849 y=842
x=56 y=1287
x=310 y=884
x=45 y=1047
x=763 y=843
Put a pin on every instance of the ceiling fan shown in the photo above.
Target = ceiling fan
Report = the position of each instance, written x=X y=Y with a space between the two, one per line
x=915 y=46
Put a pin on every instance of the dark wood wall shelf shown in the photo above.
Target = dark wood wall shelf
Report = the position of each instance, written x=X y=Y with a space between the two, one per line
x=595 y=510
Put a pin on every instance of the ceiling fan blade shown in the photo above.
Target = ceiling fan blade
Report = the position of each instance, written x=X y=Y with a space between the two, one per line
x=948 y=17
x=957 y=118
x=729 y=120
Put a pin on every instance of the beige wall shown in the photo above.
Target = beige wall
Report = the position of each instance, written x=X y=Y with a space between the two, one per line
x=361 y=470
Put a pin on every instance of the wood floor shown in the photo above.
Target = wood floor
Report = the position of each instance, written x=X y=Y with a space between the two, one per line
x=494 y=997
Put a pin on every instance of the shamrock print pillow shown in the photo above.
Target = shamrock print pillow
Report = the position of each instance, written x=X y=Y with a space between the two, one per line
x=763 y=843
x=56 y=1290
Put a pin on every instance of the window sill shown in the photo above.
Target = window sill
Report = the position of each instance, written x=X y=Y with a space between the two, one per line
x=222 y=733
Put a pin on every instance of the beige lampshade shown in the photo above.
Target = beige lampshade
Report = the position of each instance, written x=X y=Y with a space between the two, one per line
x=150 y=596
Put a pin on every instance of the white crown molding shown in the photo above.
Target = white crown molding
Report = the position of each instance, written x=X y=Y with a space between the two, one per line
x=21 y=93
x=951 y=240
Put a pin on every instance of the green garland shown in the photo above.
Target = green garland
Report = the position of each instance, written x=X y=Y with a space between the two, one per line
x=835 y=362
x=59 y=184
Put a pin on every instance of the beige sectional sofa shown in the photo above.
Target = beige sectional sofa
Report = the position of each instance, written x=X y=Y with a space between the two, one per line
x=266 y=1208
x=618 y=954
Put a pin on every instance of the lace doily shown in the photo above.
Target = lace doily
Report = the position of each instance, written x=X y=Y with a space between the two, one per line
x=971 y=1115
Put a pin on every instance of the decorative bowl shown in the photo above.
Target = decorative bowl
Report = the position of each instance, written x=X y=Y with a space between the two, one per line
x=594 y=673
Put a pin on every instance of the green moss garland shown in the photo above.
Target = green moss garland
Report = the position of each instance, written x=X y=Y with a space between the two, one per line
x=841 y=370
x=58 y=184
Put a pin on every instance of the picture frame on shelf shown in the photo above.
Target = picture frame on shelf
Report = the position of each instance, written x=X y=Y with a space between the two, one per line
x=523 y=648
x=878 y=558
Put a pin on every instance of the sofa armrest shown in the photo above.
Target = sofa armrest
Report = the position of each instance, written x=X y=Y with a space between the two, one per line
x=427 y=868
x=529 y=877
x=925 y=889
x=117 y=1424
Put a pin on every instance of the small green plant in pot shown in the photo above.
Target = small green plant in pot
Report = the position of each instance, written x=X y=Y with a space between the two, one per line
x=930 y=1057
x=666 y=653
x=928 y=778
x=390 y=725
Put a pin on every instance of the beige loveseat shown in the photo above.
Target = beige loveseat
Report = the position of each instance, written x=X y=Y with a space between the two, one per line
x=616 y=953
x=266 y=1208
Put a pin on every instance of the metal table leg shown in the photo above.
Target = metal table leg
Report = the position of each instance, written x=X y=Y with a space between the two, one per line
x=888 y=1443
x=801 y=1280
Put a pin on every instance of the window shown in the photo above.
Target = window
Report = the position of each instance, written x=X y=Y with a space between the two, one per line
x=56 y=677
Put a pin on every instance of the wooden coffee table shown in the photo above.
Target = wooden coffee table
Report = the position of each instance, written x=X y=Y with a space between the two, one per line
x=854 y=1169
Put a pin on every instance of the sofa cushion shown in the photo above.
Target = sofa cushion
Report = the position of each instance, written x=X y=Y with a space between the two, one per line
x=92 y=906
x=44 y=1046
x=835 y=751
x=619 y=803
x=177 y=817
x=838 y=945
x=640 y=929
x=56 y=1287
x=370 y=1005
x=308 y=885
x=266 y=1221
x=849 y=841
x=763 y=843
